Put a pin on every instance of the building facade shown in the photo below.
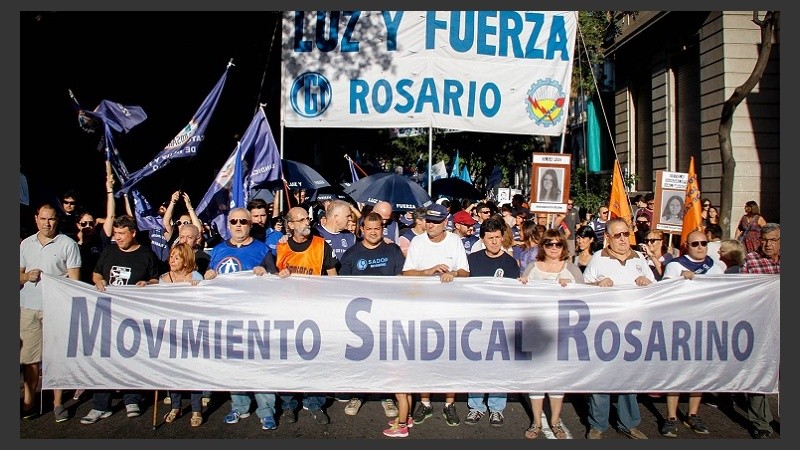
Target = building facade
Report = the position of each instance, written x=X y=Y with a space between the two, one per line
x=672 y=73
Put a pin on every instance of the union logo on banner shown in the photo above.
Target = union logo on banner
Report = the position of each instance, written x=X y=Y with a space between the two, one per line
x=545 y=102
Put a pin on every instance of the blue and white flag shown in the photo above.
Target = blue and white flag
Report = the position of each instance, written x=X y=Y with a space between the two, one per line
x=260 y=163
x=188 y=140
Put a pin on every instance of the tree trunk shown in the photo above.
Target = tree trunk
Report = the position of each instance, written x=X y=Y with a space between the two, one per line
x=767 y=26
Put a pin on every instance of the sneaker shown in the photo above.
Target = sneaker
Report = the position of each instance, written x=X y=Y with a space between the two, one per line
x=409 y=422
x=669 y=429
x=290 y=416
x=594 y=433
x=319 y=416
x=167 y=400
x=31 y=413
x=132 y=410
x=496 y=419
x=352 y=407
x=633 y=433
x=422 y=413
x=762 y=434
x=95 y=415
x=268 y=423
x=389 y=408
x=61 y=413
x=206 y=401
x=234 y=416
x=450 y=415
x=473 y=416
x=697 y=425
x=396 y=431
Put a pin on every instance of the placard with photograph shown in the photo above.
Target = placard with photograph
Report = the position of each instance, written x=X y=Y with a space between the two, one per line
x=669 y=196
x=550 y=178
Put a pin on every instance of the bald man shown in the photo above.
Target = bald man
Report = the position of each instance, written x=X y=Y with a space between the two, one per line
x=391 y=229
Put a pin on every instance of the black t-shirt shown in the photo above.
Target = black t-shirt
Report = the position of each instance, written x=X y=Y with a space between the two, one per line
x=480 y=265
x=127 y=268
x=385 y=259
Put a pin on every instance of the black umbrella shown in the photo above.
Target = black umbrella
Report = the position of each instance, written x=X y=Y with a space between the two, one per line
x=299 y=175
x=456 y=188
x=402 y=192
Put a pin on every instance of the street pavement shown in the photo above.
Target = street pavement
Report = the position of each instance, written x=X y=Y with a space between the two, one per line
x=726 y=420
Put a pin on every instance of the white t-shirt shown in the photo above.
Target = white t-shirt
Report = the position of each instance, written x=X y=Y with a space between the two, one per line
x=674 y=269
x=424 y=254
x=602 y=266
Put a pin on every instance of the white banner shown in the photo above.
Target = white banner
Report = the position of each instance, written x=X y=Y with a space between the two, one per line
x=412 y=334
x=490 y=71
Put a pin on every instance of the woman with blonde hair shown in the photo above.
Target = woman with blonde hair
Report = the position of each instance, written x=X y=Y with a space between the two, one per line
x=182 y=268
x=552 y=263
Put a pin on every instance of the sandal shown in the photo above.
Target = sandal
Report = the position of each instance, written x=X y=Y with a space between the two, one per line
x=533 y=431
x=558 y=431
x=173 y=414
x=197 y=419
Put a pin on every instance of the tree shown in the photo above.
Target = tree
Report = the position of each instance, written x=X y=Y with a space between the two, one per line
x=768 y=27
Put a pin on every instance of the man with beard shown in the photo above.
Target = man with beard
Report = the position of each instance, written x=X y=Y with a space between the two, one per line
x=303 y=254
x=259 y=225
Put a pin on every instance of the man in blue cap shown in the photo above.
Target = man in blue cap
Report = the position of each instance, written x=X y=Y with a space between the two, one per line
x=436 y=253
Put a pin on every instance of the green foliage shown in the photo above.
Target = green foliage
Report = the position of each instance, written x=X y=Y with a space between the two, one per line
x=593 y=190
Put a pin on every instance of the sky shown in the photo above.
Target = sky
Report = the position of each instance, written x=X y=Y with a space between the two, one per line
x=165 y=62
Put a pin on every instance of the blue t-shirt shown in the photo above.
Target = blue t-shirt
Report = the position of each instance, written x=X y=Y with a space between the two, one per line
x=228 y=258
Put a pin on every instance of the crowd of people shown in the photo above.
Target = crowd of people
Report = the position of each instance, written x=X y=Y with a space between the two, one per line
x=449 y=239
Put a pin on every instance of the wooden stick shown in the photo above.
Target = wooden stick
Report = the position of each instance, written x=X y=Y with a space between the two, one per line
x=155 y=409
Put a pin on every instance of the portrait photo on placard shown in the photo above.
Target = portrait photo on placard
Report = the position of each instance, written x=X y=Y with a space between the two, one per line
x=550 y=189
x=671 y=207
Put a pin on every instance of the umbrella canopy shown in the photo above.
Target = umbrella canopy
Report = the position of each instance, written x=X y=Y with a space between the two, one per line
x=299 y=175
x=456 y=188
x=403 y=193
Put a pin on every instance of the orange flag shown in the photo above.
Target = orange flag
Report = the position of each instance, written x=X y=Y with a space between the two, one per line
x=619 y=205
x=692 y=220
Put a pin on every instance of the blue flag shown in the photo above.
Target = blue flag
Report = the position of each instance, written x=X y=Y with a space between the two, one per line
x=495 y=179
x=260 y=163
x=188 y=140
x=149 y=222
x=465 y=174
x=353 y=174
x=237 y=182
x=455 y=172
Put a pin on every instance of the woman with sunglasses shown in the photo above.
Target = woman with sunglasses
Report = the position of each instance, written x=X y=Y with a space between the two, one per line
x=655 y=251
x=552 y=263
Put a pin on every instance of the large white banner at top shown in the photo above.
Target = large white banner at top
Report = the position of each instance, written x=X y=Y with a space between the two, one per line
x=489 y=71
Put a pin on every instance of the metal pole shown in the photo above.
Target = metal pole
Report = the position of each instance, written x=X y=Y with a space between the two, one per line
x=430 y=157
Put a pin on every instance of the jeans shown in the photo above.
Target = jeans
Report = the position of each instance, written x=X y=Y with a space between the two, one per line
x=310 y=401
x=627 y=411
x=101 y=400
x=496 y=402
x=196 y=399
x=265 y=402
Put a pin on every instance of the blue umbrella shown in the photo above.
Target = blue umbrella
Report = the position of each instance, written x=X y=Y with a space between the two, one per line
x=403 y=193
x=299 y=175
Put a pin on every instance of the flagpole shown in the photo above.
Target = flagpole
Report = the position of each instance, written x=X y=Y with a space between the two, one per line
x=347 y=157
x=430 y=158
